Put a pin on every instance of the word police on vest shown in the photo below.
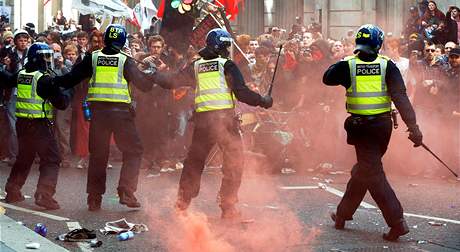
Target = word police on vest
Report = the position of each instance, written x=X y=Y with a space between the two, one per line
x=107 y=61
x=25 y=79
x=371 y=69
x=208 y=67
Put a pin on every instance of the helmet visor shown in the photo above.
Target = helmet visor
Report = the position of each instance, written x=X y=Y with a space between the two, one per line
x=47 y=54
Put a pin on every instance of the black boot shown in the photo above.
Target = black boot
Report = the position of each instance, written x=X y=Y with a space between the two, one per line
x=339 y=221
x=13 y=197
x=128 y=199
x=94 y=202
x=396 y=231
x=46 y=201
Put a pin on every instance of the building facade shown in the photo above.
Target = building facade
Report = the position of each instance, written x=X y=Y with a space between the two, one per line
x=335 y=16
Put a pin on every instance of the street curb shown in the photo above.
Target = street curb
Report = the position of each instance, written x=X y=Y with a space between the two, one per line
x=15 y=236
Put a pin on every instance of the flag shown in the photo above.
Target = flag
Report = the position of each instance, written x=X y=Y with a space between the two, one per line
x=231 y=7
x=143 y=13
x=161 y=9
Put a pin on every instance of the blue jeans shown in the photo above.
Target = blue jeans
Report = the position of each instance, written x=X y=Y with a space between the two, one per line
x=13 y=137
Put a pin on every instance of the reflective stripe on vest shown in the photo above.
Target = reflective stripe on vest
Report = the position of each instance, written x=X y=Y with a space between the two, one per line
x=108 y=83
x=212 y=91
x=29 y=104
x=368 y=93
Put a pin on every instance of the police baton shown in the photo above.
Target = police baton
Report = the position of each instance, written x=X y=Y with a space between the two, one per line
x=274 y=73
x=434 y=155
x=136 y=60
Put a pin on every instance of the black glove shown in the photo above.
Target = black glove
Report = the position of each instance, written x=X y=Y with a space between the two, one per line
x=266 y=102
x=415 y=135
x=46 y=88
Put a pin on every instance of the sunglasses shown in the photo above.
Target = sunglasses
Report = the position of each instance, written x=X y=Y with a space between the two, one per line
x=449 y=48
x=430 y=50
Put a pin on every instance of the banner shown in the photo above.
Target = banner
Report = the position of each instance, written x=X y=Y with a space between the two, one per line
x=198 y=38
x=114 y=8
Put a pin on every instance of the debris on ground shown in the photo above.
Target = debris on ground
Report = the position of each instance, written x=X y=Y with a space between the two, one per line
x=336 y=172
x=153 y=175
x=2 y=210
x=322 y=186
x=179 y=166
x=422 y=242
x=415 y=226
x=78 y=235
x=119 y=226
x=41 y=229
x=124 y=236
x=271 y=207
x=436 y=224
x=413 y=185
x=325 y=166
x=328 y=181
x=33 y=245
x=287 y=171
x=95 y=244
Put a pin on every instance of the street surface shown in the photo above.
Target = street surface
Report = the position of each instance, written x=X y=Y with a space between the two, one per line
x=282 y=213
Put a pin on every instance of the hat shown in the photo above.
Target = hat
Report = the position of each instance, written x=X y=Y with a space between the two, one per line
x=455 y=51
x=30 y=26
x=7 y=34
x=20 y=32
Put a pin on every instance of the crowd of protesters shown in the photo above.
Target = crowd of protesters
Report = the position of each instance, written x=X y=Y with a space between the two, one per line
x=305 y=118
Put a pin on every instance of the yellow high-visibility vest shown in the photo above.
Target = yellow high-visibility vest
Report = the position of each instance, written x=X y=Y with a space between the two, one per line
x=108 y=83
x=368 y=92
x=29 y=104
x=212 y=91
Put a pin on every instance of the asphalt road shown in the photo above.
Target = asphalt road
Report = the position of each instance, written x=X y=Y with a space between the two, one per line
x=280 y=217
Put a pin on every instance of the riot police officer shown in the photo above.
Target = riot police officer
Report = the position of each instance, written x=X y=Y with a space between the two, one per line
x=111 y=73
x=218 y=83
x=34 y=127
x=372 y=82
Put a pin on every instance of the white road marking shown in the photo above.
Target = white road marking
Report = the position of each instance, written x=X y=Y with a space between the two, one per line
x=340 y=194
x=367 y=205
x=46 y=215
x=84 y=246
x=432 y=218
x=298 y=187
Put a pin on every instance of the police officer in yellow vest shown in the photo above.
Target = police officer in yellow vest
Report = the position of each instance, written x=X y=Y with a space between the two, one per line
x=218 y=84
x=372 y=82
x=34 y=128
x=111 y=74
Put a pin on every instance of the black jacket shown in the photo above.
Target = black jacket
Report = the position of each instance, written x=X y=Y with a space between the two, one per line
x=339 y=74
x=451 y=30
x=186 y=77
x=60 y=99
x=84 y=70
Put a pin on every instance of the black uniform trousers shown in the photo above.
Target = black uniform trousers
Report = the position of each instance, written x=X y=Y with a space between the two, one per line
x=370 y=135
x=221 y=128
x=103 y=124
x=35 y=136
